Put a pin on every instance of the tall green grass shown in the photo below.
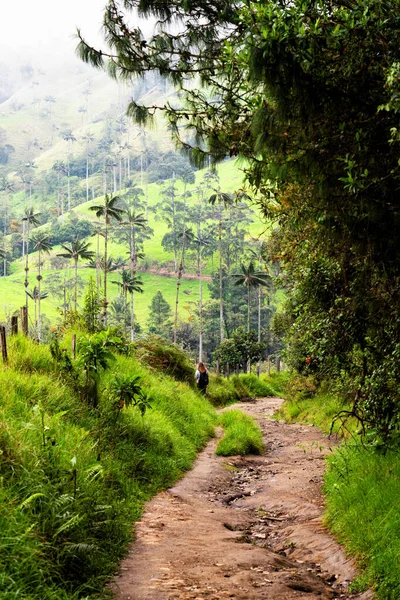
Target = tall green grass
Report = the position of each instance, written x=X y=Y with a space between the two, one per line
x=242 y=435
x=362 y=494
x=223 y=391
x=74 y=480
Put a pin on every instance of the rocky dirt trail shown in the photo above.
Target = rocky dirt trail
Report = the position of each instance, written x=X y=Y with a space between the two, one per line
x=242 y=527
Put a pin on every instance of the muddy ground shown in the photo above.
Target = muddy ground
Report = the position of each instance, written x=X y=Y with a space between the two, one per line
x=242 y=527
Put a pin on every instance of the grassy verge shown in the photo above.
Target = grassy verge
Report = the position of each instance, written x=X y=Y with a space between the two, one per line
x=242 y=435
x=223 y=391
x=362 y=494
x=74 y=479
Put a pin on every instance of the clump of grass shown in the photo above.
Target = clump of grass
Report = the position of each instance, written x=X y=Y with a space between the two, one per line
x=224 y=391
x=242 y=435
x=278 y=381
x=320 y=410
x=363 y=488
x=249 y=385
x=162 y=356
x=221 y=391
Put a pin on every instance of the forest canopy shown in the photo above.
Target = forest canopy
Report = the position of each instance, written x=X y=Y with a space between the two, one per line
x=308 y=93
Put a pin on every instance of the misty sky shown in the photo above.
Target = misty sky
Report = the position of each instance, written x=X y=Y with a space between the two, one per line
x=40 y=25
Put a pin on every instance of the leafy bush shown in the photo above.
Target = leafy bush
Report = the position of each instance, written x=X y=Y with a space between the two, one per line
x=242 y=435
x=162 y=356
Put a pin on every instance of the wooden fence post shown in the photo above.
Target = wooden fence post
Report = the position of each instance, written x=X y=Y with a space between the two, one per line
x=74 y=345
x=24 y=320
x=269 y=366
x=3 y=343
x=14 y=325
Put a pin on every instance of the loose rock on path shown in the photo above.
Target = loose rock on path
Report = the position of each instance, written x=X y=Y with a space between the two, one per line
x=242 y=527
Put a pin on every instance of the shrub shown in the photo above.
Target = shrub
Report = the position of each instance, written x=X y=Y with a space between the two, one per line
x=162 y=356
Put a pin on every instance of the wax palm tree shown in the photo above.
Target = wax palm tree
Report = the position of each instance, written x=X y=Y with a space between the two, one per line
x=108 y=211
x=60 y=168
x=258 y=256
x=75 y=250
x=41 y=243
x=29 y=219
x=69 y=137
x=135 y=221
x=200 y=241
x=36 y=296
x=129 y=284
x=88 y=139
x=223 y=201
x=30 y=164
x=251 y=279
x=186 y=236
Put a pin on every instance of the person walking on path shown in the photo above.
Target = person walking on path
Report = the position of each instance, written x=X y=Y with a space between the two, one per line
x=201 y=376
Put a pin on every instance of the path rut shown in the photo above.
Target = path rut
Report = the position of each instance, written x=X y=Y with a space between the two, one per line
x=242 y=527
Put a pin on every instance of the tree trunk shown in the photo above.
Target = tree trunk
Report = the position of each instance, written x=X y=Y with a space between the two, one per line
x=221 y=308
x=124 y=292
x=147 y=190
x=200 y=306
x=132 y=316
x=105 y=271
x=259 y=328
x=87 y=175
x=39 y=326
x=69 y=186
x=26 y=283
x=76 y=283
x=248 y=322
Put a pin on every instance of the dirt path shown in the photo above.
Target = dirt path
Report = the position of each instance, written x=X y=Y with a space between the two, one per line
x=243 y=528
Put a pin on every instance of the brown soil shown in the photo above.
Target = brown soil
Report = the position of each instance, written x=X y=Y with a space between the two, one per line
x=242 y=527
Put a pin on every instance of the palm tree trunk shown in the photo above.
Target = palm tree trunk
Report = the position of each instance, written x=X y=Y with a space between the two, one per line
x=39 y=328
x=23 y=237
x=147 y=190
x=98 y=261
x=259 y=328
x=199 y=270
x=76 y=283
x=248 y=307
x=132 y=317
x=178 y=285
x=87 y=174
x=69 y=186
x=221 y=308
x=125 y=294
x=92 y=161
x=248 y=322
x=26 y=283
x=105 y=270
x=5 y=247
x=58 y=193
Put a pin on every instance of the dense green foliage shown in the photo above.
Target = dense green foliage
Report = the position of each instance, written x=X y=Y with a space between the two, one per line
x=74 y=479
x=307 y=91
x=242 y=434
